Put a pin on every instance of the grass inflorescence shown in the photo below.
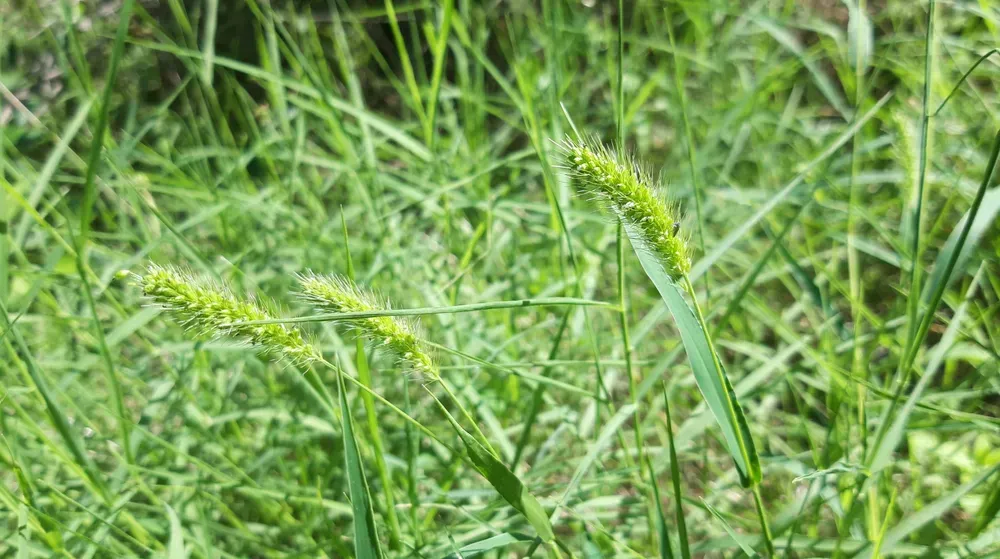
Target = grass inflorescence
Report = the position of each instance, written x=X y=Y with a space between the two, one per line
x=628 y=190
x=213 y=310
x=333 y=293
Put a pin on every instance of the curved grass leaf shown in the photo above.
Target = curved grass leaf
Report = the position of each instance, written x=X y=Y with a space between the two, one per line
x=475 y=549
x=507 y=484
x=729 y=530
x=981 y=223
x=712 y=380
x=366 y=544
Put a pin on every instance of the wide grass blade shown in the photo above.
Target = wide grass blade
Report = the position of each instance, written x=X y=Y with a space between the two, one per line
x=366 y=544
x=706 y=367
x=481 y=547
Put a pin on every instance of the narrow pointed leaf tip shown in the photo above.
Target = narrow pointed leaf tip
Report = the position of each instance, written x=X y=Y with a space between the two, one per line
x=339 y=294
x=213 y=310
x=628 y=191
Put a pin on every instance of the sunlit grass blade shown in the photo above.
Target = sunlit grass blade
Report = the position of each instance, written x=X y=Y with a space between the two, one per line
x=366 y=543
x=175 y=545
x=422 y=311
x=919 y=332
x=707 y=369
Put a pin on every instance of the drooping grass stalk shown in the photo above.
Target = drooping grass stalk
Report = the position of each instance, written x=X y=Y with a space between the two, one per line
x=339 y=294
x=210 y=309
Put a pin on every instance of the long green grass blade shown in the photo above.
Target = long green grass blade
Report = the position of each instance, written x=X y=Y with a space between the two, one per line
x=732 y=533
x=706 y=367
x=366 y=542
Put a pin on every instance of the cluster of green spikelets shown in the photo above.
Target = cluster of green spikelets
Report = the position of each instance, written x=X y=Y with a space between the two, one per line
x=340 y=295
x=626 y=188
x=213 y=310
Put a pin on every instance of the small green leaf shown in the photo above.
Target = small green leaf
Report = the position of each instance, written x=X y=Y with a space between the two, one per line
x=925 y=515
x=982 y=221
x=366 y=544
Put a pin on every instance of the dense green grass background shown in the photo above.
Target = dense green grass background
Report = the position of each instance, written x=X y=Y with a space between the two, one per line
x=234 y=137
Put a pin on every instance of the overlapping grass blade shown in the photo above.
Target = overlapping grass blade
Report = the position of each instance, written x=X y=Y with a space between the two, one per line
x=706 y=367
x=366 y=543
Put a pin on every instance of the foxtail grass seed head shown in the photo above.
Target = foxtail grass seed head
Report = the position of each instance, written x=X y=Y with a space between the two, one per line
x=213 y=310
x=628 y=191
x=340 y=295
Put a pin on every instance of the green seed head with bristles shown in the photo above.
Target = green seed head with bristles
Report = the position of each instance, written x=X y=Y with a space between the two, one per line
x=338 y=294
x=214 y=311
x=629 y=192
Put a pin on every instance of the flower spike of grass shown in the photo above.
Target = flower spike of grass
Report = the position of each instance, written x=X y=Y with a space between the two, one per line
x=338 y=294
x=213 y=310
x=652 y=225
x=626 y=188
x=335 y=293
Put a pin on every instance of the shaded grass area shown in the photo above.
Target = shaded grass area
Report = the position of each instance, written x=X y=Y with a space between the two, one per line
x=411 y=146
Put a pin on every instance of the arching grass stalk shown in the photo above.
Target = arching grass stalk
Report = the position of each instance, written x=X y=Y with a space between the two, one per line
x=654 y=228
x=331 y=293
x=211 y=309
